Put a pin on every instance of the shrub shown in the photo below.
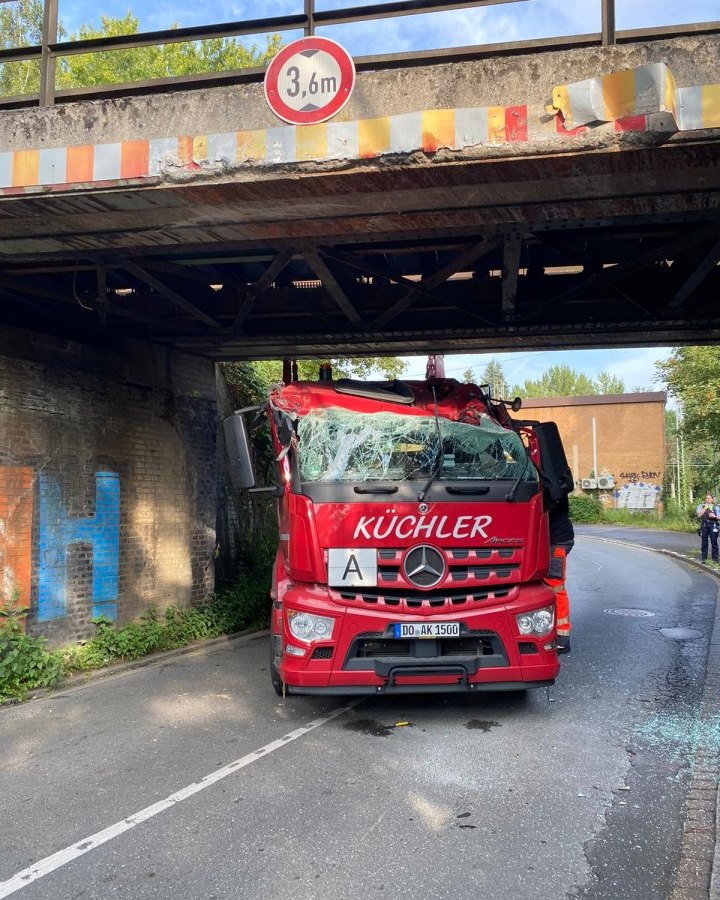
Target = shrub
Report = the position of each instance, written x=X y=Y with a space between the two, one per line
x=25 y=662
x=585 y=509
x=244 y=605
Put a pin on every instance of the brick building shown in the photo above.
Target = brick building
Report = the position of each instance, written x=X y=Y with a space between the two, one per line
x=625 y=462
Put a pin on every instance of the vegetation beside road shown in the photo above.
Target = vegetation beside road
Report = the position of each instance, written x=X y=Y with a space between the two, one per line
x=588 y=510
x=27 y=664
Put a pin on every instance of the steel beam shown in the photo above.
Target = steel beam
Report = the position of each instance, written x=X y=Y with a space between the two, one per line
x=466 y=258
x=167 y=292
x=511 y=262
x=331 y=284
x=47 y=58
x=703 y=269
x=608 y=22
x=260 y=286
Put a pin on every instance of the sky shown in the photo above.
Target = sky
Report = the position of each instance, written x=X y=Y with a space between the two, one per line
x=522 y=20
x=635 y=366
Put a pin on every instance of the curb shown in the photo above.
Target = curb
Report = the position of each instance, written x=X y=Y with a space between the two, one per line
x=82 y=679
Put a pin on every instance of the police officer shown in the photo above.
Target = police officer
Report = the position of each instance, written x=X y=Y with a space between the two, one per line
x=709 y=515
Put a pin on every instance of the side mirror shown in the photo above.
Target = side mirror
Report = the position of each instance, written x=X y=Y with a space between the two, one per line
x=238 y=449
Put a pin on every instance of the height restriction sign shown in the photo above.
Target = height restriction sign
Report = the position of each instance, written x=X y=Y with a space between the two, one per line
x=309 y=81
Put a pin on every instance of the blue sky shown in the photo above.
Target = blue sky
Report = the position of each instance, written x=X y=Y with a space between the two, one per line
x=506 y=22
x=635 y=366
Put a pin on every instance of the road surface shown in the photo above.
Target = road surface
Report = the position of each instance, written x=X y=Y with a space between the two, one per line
x=577 y=791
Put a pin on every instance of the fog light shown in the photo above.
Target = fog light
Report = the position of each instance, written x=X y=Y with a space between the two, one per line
x=539 y=622
x=307 y=627
x=294 y=651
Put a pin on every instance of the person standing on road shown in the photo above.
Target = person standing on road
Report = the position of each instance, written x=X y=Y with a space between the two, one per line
x=709 y=514
x=562 y=540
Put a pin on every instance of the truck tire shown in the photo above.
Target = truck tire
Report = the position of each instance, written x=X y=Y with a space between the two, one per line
x=277 y=682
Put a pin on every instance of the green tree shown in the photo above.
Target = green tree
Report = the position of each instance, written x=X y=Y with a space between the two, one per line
x=468 y=376
x=21 y=25
x=494 y=377
x=690 y=375
x=609 y=384
x=160 y=61
x=253 y=379
x=557 y=381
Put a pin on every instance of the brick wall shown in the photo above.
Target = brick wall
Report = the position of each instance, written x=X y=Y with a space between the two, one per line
x=108 y=473
x=630 y=439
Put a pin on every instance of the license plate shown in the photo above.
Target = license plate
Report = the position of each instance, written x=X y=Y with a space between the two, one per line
x=426 y=630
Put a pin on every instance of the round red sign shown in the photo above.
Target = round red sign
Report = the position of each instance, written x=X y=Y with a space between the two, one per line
x=309 y=81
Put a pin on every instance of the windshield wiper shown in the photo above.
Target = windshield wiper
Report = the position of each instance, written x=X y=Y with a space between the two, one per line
x=441 y=457
x=376 y=489
x=510 y=496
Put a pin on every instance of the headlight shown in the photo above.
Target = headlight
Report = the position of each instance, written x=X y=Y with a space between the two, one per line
x=307 y=627
x=540 y=622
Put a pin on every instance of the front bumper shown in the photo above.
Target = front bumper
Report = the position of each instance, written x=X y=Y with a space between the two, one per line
x=363 y=656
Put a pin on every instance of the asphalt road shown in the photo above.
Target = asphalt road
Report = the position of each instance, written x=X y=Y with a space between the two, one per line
x=577 y=791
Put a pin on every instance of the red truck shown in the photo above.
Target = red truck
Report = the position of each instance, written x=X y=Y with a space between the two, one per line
x=413 y=537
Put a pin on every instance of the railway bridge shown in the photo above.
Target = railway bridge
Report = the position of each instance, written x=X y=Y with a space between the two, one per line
x=563 y=193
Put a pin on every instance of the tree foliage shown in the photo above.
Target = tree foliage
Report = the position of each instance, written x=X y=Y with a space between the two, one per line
x=21 y=25
x=691 y=376
x=253 y=379
x=494 y=377
x=564 y=381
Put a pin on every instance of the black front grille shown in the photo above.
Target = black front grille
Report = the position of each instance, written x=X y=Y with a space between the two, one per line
x=322 y=653
x=382 y=648
x=526 y=648
x=395 y=598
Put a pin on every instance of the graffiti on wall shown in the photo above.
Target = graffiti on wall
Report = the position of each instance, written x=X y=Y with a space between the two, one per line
x=57 y=534
x=16 y=514
x=638 y=495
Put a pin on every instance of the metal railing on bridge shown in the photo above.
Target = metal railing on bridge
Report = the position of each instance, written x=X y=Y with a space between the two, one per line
x=50 y=50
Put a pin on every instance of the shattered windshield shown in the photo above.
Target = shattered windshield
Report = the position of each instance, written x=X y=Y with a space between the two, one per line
x=338 y=445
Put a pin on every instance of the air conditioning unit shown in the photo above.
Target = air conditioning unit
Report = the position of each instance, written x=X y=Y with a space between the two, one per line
x=606 y=482
x=589 y=484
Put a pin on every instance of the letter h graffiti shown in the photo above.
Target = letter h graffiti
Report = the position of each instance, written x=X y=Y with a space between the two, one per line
x=58 y=532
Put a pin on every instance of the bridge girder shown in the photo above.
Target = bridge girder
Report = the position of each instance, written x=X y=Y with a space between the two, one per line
x=615 y=246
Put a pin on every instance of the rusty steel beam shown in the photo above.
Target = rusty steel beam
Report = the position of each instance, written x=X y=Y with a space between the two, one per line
x=167 y=292
x=47 y=58
x=260 y=286
x=331 y=284
x=703 y=269
x=378 y=271
x=511 y=263
x=611 y=275
x=608 y=23
x=310 y=16
x=465 y=258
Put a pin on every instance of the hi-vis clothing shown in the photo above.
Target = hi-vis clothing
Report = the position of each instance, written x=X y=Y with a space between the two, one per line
x=556 y=580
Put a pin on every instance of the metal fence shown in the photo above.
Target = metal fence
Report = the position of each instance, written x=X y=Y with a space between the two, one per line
x=51 y=49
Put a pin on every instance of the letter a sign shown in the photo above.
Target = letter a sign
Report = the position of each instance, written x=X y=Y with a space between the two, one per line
x=352 y=567
x=309 y=81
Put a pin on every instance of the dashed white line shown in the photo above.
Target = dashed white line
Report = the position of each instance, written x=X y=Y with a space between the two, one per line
x=63 y=857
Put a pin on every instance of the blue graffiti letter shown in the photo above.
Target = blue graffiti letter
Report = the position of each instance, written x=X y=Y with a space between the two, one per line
x=58 y=531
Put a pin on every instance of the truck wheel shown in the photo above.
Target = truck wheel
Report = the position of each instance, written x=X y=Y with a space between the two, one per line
x=277 y=682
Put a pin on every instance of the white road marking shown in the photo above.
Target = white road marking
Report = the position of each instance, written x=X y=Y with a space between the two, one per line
x=63 y=857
